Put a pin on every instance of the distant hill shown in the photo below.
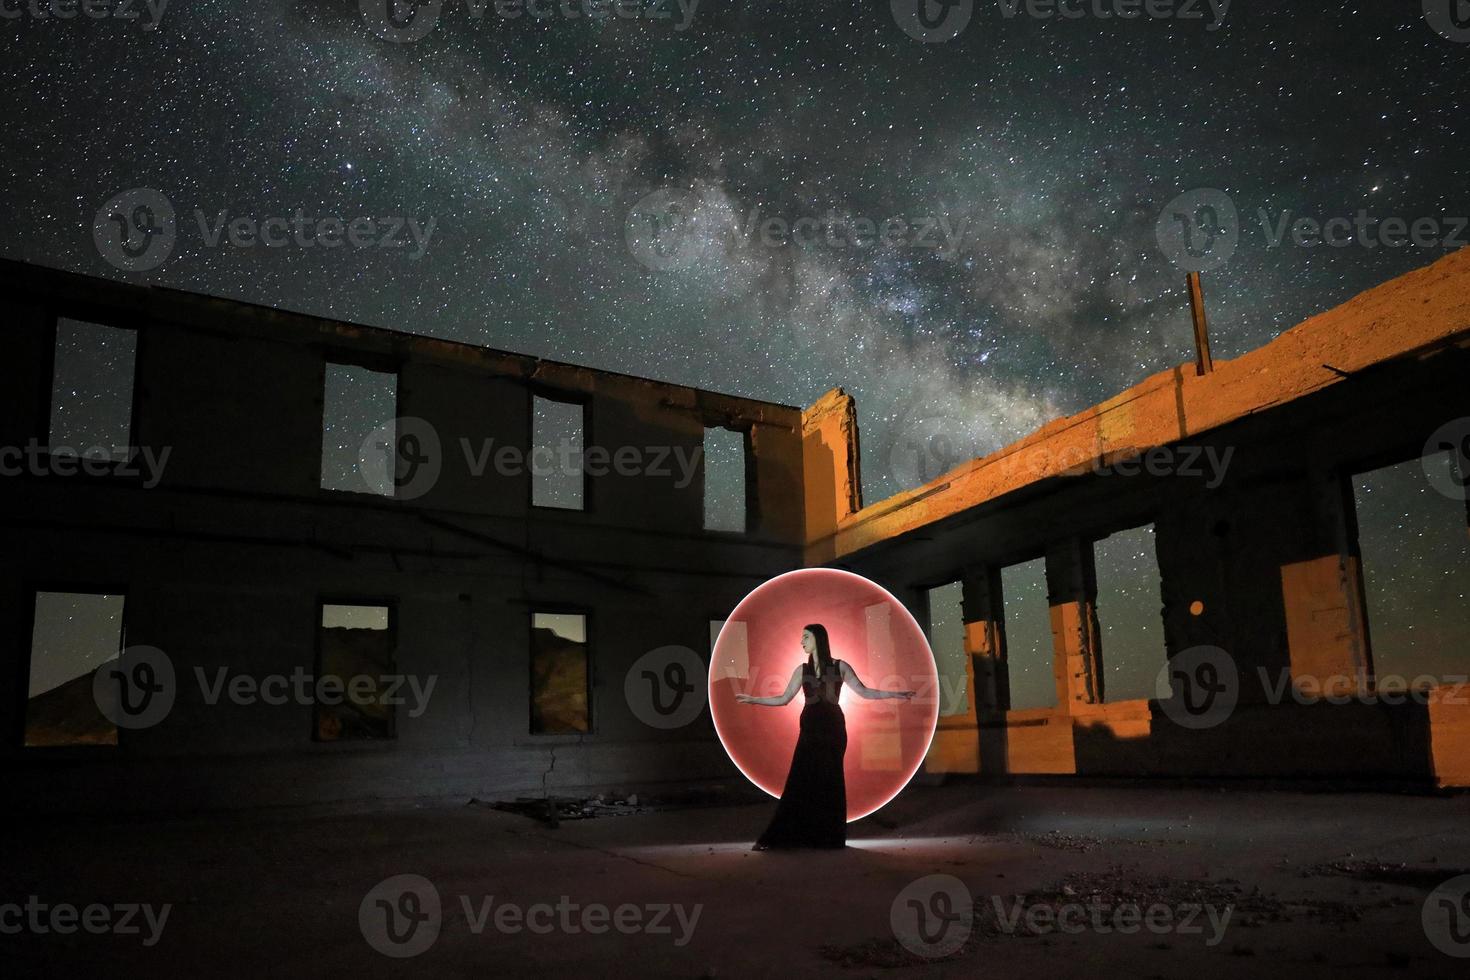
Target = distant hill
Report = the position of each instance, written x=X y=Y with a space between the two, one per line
x=68 y=715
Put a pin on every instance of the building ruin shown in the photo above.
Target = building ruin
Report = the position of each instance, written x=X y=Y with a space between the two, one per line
x=528 y=596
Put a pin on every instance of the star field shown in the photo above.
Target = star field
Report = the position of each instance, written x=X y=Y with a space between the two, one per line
x=1056 y=144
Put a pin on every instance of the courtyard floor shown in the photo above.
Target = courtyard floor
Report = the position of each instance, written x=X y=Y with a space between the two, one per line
x=1145 y=881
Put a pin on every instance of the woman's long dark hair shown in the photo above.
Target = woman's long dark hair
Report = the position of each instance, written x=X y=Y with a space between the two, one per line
x=824 y=646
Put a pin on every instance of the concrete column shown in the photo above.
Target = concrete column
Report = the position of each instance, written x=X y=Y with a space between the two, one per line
x=1322 y=595
x=1071 y=585
x=990 y=680
x=830 y=463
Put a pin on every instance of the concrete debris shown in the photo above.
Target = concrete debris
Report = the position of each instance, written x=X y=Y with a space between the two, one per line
x=552 y=810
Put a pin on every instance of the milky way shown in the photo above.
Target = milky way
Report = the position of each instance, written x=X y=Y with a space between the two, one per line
x=1049 y=146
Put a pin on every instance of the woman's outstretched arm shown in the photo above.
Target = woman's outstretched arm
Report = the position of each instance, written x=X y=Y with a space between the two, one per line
x=784 y=697
x=856 y=683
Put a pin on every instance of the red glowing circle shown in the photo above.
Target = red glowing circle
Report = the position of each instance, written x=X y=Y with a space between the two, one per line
x=760 y=645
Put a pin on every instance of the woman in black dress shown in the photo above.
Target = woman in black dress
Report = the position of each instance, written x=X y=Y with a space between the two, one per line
x=813 y=807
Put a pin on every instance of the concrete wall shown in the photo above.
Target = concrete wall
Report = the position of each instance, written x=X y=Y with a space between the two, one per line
x=225 y=561
x=1264 y=566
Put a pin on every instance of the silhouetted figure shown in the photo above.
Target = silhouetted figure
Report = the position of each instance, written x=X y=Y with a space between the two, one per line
x=813 y=807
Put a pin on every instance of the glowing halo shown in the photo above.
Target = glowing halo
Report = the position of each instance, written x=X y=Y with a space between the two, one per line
x=760 y=645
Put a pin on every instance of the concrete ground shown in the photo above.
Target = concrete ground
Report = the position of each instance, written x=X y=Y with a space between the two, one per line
x=1317 y=884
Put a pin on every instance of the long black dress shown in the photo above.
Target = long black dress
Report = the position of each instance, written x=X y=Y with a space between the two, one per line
x=813 y=807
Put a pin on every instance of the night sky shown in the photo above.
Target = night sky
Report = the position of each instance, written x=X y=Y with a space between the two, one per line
x=1055 y=144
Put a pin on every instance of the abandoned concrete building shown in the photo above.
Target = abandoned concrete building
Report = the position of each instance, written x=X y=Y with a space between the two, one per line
x=253 y=539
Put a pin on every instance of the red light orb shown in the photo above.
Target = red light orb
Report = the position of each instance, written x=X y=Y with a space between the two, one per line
x=760 y=645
